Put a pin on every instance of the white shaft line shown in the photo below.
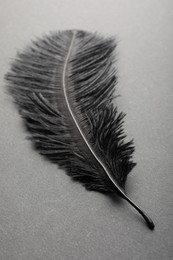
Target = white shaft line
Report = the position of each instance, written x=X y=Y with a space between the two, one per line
x=147 y=219
x=76 y=123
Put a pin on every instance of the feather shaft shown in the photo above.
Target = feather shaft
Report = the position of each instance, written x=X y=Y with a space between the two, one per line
x=144 y=215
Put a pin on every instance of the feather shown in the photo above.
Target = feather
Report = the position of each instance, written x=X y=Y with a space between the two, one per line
x=63 y=85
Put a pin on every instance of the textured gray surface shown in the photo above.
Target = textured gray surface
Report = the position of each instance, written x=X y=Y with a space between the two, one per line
x=43 y=214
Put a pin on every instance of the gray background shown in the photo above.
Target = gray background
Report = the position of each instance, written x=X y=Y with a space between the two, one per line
x=43 y=214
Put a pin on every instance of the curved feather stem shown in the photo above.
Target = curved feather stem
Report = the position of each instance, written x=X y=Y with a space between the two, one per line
x=148 y=220
x=144 y=215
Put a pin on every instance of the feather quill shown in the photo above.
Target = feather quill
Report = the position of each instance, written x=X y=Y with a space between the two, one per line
x=64 y=86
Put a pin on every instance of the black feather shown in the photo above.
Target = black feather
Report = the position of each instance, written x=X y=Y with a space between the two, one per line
x=63 y=85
